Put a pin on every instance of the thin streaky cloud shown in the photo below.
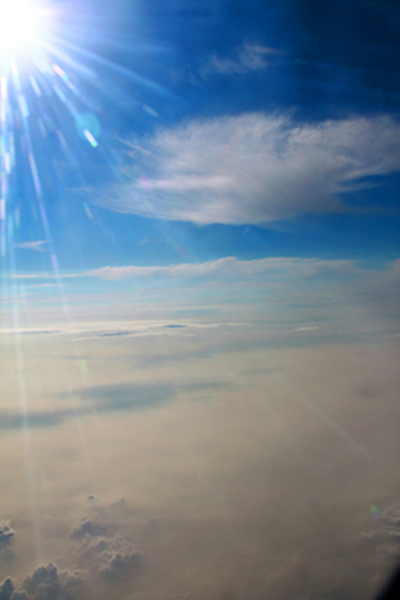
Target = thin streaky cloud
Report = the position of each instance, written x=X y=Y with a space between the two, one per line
x=230 y=267
x=36 y=245
x=375 y=284
x=226 y=267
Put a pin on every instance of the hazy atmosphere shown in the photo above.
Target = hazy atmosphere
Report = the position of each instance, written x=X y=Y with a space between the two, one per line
x=200 y=299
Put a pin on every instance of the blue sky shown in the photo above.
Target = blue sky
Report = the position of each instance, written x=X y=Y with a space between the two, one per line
x=216 y=129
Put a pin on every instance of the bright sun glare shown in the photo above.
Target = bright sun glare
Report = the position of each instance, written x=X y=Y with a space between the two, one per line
x=19 y=25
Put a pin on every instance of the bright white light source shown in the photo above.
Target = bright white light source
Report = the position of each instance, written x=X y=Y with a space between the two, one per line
x=19 y=25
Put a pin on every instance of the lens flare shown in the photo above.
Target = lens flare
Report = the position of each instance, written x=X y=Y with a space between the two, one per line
x=20 y=22
x=56 y=92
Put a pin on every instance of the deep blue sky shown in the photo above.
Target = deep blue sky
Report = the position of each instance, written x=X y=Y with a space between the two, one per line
x=306 y=71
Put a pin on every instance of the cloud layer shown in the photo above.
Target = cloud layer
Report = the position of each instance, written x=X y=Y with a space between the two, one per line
x=254 y=168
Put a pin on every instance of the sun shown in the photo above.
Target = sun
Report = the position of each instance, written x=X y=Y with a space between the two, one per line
x=20 y=25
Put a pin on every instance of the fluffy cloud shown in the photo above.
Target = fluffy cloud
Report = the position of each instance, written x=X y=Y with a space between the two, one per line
x=390 y=520
x=6 y=531
x=105 y=553
x=87 y=527
x=6 y=535
x=6 y=589
x=47 y=582
x=255 y=168
x=111 y=557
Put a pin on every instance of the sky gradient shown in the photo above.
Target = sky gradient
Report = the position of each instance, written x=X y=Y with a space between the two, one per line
x=226 y=129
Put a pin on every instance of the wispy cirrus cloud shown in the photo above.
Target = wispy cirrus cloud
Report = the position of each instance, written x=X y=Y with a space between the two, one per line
x=255 y=168
x=249 y=57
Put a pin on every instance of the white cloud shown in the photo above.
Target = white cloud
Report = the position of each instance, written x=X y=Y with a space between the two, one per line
x=254 y=168
x=231 y=267
x=249 y=57
x=227 y=267
x=36 y=246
